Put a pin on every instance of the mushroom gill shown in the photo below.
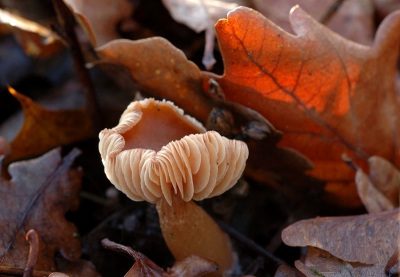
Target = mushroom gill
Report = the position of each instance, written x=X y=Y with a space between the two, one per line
x=156 y=154
x=194 y=166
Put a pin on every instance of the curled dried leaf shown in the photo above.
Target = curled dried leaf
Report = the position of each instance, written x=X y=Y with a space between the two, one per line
x=386 y=178
x=373 y=200
x=45 y=129
x=368 y=239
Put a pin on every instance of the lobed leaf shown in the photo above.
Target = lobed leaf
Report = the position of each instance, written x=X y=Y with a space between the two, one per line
x=328 y=95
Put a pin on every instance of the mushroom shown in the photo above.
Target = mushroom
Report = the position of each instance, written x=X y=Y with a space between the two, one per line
x=158 y=154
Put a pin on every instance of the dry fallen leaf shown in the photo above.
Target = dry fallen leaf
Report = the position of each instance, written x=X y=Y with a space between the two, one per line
x=39 y=194
x=380 y=191
x=368 y=239
x=392 y=268
x=374 y=200
x=200 y=15
x=327 y=94
x=386 y=178
x=191 y=266
x=100 y=18
x=45 y=129
x=320 y=263
x=157 y=66
x=353 y=20
x=35 y=40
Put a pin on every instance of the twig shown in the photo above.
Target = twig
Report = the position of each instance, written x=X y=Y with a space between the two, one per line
x=12 y=271
x=33 y=239
x=103 y=223
x=331 y=11
x=349 y=162
x=94 y=198
x=67 y=31
x=143 y=264
x=129 y=252
x=254 y=266
x=251 y=244
x=276 y=240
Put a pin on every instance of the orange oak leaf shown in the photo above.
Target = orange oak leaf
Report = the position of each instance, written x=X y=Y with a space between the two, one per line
x=38 y=195
x=45 y=129
x=328 y=95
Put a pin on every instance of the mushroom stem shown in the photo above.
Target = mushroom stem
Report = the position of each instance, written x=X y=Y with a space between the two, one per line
x=188 y=229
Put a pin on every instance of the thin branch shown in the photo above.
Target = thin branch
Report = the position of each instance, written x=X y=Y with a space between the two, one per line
x=249 y=243
x=349 y=162
x=331 y=11
x=127 y=251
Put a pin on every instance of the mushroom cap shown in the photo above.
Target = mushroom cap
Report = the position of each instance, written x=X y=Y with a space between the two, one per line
x=153 y=153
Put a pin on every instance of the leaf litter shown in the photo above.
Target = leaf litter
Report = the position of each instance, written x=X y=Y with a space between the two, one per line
x=301 y=102
x=39 y=193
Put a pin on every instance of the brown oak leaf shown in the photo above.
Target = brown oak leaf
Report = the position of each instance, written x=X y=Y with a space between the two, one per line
x=38 y=195
x=45 y=129
x=365 y=242
x=328 y=95
x=35 y=39
x=158 y=67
